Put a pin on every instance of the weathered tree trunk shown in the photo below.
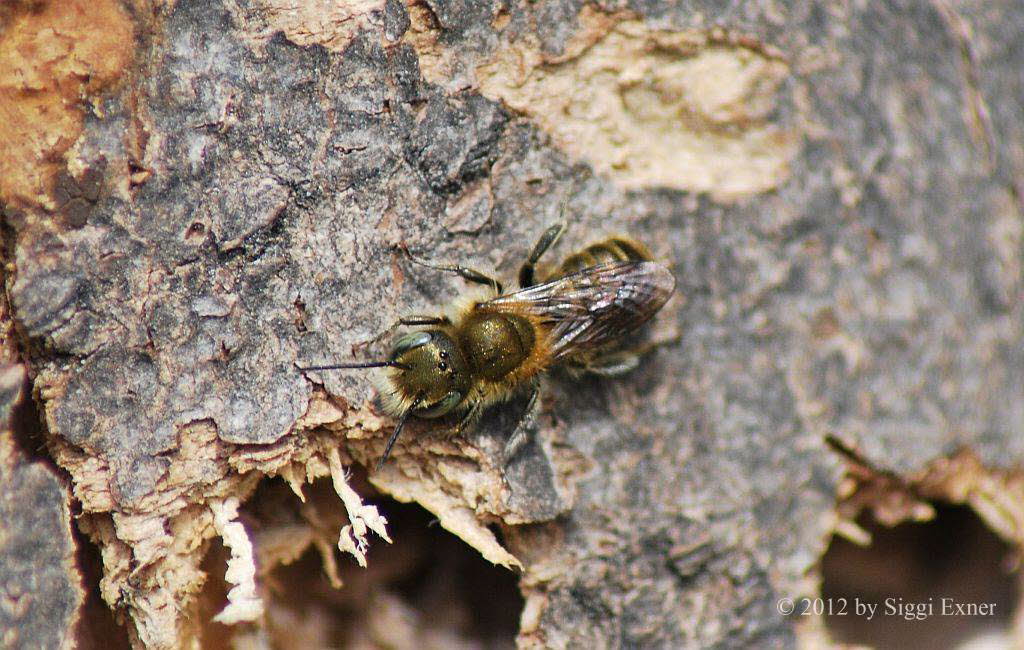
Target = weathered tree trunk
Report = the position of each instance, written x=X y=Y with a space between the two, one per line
x=200 y=196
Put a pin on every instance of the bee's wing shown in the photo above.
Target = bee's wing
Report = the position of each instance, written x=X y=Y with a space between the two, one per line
x=593 y=307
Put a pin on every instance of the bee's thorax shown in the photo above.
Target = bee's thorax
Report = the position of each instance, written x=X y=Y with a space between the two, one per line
x=496 y=344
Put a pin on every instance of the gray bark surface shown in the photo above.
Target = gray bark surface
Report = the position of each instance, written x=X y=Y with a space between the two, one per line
x=237 y=205
x=40 y=590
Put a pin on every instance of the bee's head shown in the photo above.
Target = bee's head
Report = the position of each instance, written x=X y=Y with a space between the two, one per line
x=427 y=376
x=429 y=367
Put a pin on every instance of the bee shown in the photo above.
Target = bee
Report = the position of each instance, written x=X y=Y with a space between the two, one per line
x=486 y=351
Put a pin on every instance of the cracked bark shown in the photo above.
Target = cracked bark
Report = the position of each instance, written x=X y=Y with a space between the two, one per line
x=201 y=195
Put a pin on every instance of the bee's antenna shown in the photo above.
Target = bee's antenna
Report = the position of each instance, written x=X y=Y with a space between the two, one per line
x=369 y=364
x=398 y=430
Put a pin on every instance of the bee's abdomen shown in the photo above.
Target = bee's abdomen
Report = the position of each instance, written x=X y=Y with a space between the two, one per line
x=609 y=251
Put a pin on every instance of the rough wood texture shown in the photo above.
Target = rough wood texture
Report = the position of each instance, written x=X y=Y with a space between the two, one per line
x=210 y=193
x=40 y=590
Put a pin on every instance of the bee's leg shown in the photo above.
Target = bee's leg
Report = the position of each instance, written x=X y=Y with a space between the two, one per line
x=517 y=440
x=546 y=241
x=620 y=362
x=465 y=273
x=471 y=417
x=615 y=364
x=418 y=319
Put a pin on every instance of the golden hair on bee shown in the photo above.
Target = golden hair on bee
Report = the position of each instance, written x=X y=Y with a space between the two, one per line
x=486 y=349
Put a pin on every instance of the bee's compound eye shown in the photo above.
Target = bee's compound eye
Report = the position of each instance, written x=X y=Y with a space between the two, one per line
x=407 y=342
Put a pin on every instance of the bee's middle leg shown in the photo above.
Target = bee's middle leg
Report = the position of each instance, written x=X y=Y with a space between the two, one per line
x=466 y=273
x=520 y=435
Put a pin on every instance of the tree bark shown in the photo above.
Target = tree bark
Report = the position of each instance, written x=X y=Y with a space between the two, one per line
x=199 y=197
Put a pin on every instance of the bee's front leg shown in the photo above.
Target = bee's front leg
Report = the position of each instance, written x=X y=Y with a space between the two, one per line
x=471 y=417
x=419 y=319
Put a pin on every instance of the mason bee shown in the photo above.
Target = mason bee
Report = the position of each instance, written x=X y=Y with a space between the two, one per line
x=485 y=351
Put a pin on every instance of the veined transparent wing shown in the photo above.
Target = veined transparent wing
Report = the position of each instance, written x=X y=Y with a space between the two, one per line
x=594 y=307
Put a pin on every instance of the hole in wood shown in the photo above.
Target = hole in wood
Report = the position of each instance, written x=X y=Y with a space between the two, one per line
x=947 y=583
x=426 y=590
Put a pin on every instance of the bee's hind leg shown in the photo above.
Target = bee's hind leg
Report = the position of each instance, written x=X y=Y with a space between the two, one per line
x=546 y=241
x=614 y=364
x=620 y=362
